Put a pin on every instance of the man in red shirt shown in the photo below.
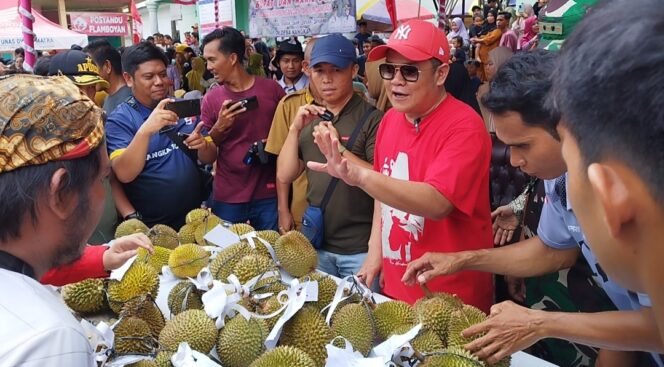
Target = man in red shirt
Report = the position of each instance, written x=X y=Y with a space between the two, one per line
x=430 y=177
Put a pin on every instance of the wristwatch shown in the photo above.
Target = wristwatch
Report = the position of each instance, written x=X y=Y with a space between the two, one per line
x=134 y=215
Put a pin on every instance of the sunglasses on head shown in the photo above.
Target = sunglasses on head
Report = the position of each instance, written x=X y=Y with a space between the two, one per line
x=410 y=73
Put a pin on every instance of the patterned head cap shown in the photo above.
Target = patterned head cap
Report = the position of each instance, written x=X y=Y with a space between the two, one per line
x=44 y=119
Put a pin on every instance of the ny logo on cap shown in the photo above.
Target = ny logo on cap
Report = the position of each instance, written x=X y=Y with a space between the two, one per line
x=402 y=32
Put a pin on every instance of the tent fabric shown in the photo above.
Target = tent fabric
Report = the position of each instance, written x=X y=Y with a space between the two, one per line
x=48 y=35
x=376 y=10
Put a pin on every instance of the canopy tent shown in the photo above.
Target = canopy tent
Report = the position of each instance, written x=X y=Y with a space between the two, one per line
x=375 y=11
x=48 y=35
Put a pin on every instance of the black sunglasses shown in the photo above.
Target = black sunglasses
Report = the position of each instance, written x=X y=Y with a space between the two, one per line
x=410 y=73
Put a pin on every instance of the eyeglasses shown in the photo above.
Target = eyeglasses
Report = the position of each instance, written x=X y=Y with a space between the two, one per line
x=410 y=73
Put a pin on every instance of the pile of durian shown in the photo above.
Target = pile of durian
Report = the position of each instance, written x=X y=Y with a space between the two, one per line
x=142 y=329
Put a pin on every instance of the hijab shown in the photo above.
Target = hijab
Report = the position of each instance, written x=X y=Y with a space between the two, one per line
x=461 y=31
x=488 y=27
x=195 y=76
x=528 y=31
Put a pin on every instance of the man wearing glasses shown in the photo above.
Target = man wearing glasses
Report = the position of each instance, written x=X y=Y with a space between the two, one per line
x=430 y=175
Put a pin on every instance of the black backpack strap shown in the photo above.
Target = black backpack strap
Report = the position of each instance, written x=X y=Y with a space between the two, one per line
x=356 y=132
x=175 y=138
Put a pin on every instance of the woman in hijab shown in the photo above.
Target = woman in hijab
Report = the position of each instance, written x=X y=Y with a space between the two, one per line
x=488 y=41
x=530 y=31
x=195 y=76
x=497 y=57
x=458 y=29
x=459 y=85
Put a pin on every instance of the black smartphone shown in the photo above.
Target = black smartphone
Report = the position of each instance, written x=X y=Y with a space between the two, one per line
x=250 y=103
x=185 y=107
x=327 y=115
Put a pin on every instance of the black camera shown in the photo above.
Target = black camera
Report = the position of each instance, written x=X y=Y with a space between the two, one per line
x=256 y=150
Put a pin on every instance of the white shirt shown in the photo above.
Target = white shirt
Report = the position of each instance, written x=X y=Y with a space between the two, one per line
x=36 y=328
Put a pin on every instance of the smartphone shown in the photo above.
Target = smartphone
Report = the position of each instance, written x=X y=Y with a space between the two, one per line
x=185 y=108
x=250 y=103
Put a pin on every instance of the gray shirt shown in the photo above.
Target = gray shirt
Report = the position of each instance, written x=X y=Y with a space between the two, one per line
x=113 y=100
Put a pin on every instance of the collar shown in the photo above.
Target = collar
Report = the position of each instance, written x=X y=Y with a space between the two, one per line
x=13 y=263
x=352 y=102
x=302 y=82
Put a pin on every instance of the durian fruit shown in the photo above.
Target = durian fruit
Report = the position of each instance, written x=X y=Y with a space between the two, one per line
x=251 y=266
x=427 y=341
x=269 y=306
x=271 y=284
x=163 y=236
x=191 y=326
x=390 y=315
x=241 y=341
x=133 y=336
x=434 y=312
x=204 y=227
x=241 y=228
x=308 y=331
x=130 y=226
x=354 y=323
x=146 y=309
x=296 y=254
x=452 y=357
x=461 y=320
x=157 y=260
x=139 y=280
x=144 y=363
x=267 y=235
x=187 y=233
x=327 y=287
x=284 y=356
x=163 y=359
x=184 y=296
x=222 y=265
x=87 y=296
x=187 y=260
x=197 y=215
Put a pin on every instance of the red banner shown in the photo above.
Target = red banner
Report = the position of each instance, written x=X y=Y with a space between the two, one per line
x=100 y=24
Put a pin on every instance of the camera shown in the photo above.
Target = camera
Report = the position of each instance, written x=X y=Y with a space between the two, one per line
x=256 y=150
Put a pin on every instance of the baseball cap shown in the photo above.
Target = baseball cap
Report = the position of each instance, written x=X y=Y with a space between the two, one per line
x=334 y=49
x=287 y=48
x=78 y=67
x=416 y=40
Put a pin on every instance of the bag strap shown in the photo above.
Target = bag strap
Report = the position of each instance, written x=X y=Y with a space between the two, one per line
x=333 y=182
x=192 y=154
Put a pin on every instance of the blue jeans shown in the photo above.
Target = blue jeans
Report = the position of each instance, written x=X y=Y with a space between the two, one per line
x=342 y=266
x=261 y=214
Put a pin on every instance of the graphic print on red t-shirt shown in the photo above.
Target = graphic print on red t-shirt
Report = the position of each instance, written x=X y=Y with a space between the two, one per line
x=400 y=230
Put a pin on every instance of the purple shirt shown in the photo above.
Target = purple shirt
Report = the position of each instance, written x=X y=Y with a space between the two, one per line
x=235 y=182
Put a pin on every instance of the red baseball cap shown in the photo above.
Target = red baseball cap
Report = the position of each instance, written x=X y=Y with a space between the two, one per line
x=416 y=40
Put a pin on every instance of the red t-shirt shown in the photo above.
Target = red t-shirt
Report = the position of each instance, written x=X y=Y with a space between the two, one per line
x=451 y=152
x=235 y=182
x=89 y=265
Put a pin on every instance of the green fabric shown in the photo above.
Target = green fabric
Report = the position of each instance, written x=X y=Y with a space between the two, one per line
x=105 y=230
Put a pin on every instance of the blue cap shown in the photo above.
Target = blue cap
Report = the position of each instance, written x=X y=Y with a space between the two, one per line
x=334 y=49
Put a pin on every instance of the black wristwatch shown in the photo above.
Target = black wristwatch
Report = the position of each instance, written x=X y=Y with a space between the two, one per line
x=134 y=215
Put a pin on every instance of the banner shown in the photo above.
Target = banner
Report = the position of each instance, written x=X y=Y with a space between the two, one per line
x=137 y=23
x=215 y=14
x=99 y=24
x=285 y=18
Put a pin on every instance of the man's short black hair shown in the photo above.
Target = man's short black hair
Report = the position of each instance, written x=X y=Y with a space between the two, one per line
x=42 y=65
x=522 y=85
x=150 y=39
x=22 y=189
x=143 y=52
x=610 y=100
x=20 y=51
x=475 y=7
x=362 y=23
x=95 y=45
x=110 y=54
x=507 y=15
x=168 y=37
x=230 y=41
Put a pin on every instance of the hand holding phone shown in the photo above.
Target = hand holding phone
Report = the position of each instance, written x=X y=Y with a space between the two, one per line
x=185 y=108
x=248 y=104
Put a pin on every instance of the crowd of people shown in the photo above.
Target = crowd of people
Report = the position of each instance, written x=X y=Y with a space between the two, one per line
x=378 y=151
